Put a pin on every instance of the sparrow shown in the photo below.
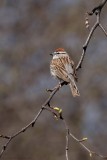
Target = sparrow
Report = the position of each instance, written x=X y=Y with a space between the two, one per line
x=63 y=68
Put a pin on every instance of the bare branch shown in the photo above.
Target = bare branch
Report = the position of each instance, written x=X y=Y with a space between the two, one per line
x=80 y=141
x=103 y=29
x=21 y=131
x=31 y=124
x=97 y=11
x=87 y=42
x=47 y=106
x=67 y=139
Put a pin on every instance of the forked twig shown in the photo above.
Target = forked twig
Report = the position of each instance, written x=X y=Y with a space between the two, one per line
x=10 y=138
x=47 y=106
x=97 y=11
x=67 y=139
x=87 y=42
x=103 y=29
x=80 y=141
x=31 y=124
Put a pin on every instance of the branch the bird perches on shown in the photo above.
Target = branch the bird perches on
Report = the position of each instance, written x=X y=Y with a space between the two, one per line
x=47 y=106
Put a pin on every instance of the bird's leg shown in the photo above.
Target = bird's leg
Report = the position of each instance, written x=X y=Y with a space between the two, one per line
x=60 y=83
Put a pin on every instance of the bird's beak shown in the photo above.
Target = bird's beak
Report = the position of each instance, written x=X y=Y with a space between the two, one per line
x=51 y=54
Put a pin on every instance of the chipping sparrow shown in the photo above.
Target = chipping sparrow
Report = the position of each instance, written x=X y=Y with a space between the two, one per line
x=62 y=67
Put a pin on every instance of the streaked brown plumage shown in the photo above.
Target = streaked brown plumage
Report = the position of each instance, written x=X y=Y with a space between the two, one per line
x=63 y=68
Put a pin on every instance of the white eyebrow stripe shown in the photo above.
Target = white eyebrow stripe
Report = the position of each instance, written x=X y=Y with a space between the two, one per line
x=60 y=52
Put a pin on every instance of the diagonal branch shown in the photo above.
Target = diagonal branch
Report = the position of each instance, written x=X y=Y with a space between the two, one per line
x=80 y=141
x=97 y=12
x=31 y=124
x=67 y=139
x=46 y=105
x=87 y=42
x=10 y=138
x=103 y=29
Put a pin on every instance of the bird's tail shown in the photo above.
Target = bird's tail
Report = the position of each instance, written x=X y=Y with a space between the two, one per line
x=74 y=89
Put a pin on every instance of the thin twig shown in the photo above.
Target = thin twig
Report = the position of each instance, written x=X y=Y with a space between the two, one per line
x=86 y=148
x=67 y=139
x=21 y=131
x=97 y=12
x=47 y=103
x=87 y=42
x=80 y=141
x=103 y=29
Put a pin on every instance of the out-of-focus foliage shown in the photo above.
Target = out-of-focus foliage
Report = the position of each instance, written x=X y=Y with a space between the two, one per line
x=29 y=31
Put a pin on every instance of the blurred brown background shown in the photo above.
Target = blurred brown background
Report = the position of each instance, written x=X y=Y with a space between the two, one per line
x=29 y=31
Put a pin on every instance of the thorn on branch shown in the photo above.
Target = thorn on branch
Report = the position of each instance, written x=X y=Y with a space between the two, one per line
x=57 y=111
x=67 y=148
x=23 y=129
x=33 y=124
x=6 y=137
x=84 y=47
x=4 y=147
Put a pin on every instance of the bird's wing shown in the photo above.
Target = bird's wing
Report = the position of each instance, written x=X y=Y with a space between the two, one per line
x=62 y=68
x=70 y=67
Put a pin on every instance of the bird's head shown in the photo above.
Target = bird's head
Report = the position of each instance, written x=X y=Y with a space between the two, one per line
x=58 y=51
